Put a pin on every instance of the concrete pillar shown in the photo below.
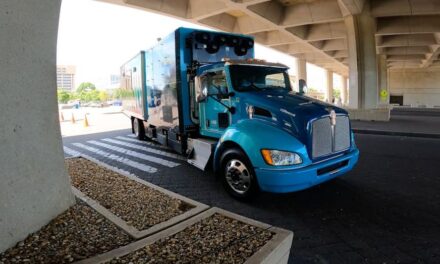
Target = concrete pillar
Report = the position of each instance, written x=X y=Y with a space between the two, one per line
x=383 y=81
x=302 y=69
x=344 y=91
x=362 y=60
x=363 y=94
x=34 y=184
x=329 y=90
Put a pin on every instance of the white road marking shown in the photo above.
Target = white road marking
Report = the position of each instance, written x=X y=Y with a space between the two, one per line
x=125 y=161
x=103 y=164
x=71 y=152
x=142 y=142
x=131 y=135
x=151 y=150
x=135 y=154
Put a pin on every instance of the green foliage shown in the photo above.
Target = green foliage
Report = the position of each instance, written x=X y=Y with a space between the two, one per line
x=117 y=94
x=311 y=90
x=63 y=96
x=85 y=93
x=87 y=96
x=122 y=93
x=103 y=96
x=85 y=86
x=336 y=93
x=74 y=96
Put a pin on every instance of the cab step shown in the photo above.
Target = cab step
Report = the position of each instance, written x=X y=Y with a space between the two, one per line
x=200 y=151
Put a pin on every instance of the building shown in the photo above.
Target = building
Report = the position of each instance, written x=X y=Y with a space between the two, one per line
x=66 y=77
x=115 y=81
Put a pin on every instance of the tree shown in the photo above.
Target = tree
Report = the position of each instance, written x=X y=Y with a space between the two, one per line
x=63 y=96
x=94 y=95
x=117 y=94
x=85 y=86
x=336 y=93
x=122 y=93
x=312 y=90
x=103 y=96
x=87 y=96
x=74 y=96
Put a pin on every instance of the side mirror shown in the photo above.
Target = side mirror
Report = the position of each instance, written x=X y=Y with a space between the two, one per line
x=202 y=97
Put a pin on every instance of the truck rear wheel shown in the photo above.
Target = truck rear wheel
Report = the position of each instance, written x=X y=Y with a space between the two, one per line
x=138 y=129
x=238 y=174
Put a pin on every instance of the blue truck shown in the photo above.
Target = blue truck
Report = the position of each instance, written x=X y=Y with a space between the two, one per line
x=204 y=95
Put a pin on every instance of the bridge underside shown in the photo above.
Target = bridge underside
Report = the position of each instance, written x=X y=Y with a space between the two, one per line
x=370 y=42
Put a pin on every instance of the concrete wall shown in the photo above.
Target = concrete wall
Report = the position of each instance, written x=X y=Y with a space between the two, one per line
x=418 y=86
x=34 y=185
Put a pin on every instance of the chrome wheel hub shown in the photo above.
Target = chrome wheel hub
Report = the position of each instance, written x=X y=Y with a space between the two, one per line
x=238 y=176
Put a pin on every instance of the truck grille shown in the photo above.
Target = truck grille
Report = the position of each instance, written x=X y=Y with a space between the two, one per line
x=326 y=139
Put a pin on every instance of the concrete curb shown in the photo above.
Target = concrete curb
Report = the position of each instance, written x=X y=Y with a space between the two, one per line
x=275 y=251
x=395 y=133
x=132 y=231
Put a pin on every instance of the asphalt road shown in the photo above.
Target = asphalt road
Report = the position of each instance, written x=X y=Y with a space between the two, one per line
x=425 y=126
x=387 y=210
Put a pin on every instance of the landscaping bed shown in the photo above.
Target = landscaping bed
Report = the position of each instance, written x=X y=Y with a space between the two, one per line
x=137 y=204
x=217 y=239
x=78 y=233
x=138 y=207
x=214 y=236
x=111 y=204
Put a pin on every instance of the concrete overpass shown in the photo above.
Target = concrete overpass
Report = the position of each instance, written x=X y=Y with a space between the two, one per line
x=378 y=44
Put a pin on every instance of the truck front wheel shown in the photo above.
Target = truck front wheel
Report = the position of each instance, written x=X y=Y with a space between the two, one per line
x=138 y=129
x=238 y=174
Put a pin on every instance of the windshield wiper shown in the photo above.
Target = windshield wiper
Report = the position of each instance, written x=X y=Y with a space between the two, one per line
x=256 y=88
x=253 y=86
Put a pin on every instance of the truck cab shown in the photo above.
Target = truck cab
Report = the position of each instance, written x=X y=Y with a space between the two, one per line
x=242 y=115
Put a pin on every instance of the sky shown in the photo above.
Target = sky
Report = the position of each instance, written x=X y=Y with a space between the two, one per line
x=98 y=38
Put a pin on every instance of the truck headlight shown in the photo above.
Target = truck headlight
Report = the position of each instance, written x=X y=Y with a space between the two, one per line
x=280 y=158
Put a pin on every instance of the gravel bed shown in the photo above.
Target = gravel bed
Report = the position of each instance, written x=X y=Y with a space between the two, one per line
x=78 y=233
x=139 y=205
x=216 y=239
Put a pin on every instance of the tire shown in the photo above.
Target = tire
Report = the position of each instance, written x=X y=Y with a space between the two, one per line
x=238 y=175
x=138 y=128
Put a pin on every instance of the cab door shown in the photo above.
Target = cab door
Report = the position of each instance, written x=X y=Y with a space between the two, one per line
x=213 y=101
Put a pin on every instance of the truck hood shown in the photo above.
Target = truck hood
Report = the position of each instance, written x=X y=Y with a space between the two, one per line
x=289 y=108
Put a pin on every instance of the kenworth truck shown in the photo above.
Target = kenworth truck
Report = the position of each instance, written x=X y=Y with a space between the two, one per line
x=203 y=94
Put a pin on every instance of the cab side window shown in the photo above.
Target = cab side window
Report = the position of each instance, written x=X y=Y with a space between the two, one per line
x=219 y=83
x=214 y=83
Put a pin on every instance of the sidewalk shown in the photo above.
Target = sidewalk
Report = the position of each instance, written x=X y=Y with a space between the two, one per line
x=401 y=125
x=98 y=119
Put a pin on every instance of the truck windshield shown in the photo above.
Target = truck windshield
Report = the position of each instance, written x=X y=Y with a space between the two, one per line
x=255 y=77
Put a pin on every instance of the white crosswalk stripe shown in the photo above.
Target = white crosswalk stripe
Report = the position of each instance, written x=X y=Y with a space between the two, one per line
x=131 y=135
x=125 y=161
x=147 y=149
x=142 y=142
x=135 y=154
x=71 y=152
